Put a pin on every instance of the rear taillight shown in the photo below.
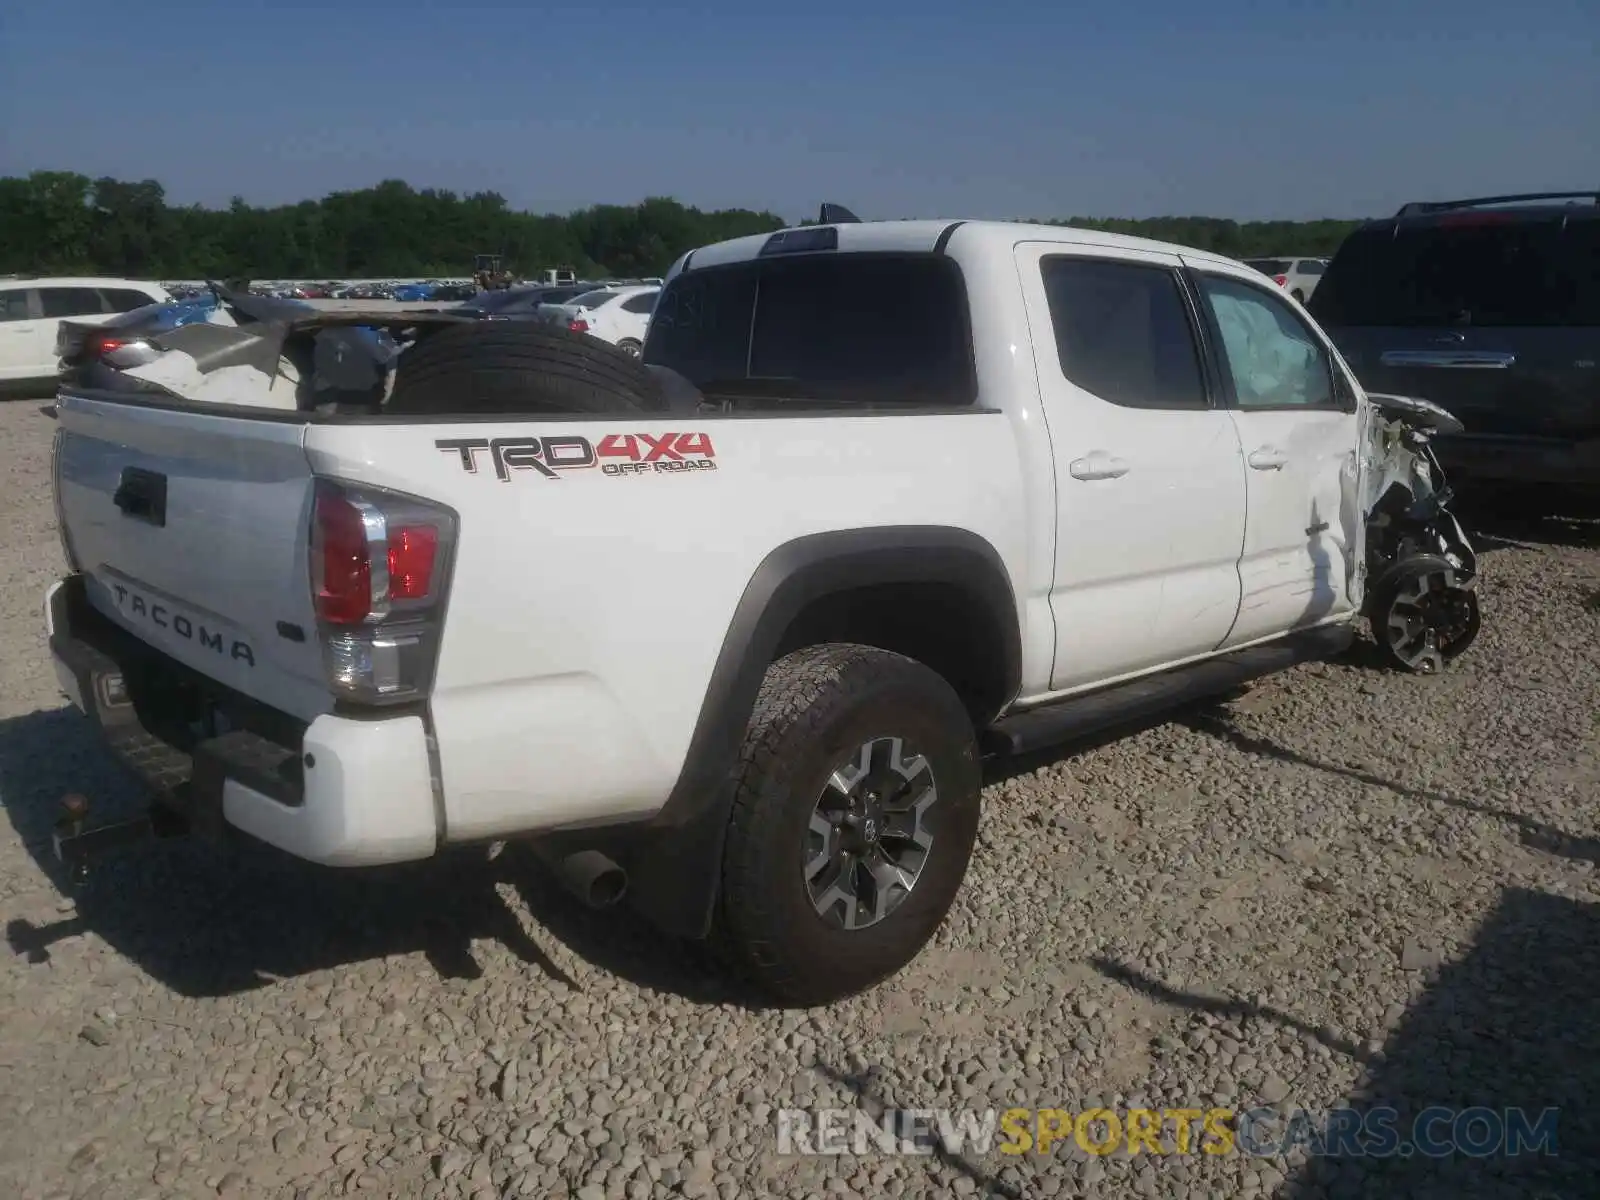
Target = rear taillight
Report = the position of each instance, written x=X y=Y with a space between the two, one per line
x=119 y=352
x=578 y=325
x=1281 y=280
x=380 y=563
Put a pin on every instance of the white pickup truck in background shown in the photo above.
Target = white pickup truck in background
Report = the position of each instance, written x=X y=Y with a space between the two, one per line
x=729 y=629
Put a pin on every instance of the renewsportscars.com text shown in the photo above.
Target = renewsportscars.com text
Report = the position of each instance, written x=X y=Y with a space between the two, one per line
x=1260 y=1132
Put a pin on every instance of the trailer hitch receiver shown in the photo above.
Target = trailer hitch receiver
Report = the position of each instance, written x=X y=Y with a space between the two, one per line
x=78 y=844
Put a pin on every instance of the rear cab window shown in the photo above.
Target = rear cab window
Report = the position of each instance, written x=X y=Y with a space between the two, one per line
x=1476 y=269
x=857 y=328
x=1269 y=266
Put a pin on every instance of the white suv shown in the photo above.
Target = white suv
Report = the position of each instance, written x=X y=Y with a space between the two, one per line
x=619 y=315
x=32 y=309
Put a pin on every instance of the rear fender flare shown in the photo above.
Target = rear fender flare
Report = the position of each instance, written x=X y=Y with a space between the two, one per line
x=675 y=861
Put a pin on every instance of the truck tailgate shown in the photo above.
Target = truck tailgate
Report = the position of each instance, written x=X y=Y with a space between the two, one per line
x=192 y=529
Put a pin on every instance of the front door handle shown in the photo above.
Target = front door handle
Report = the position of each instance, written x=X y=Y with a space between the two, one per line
x=1099 y=465
x=1267 y=458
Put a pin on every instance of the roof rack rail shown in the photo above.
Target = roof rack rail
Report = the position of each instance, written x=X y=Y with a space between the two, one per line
x=1417 y=208
x=837 y=214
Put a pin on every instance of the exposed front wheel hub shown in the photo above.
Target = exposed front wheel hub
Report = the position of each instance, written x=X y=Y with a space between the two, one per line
x=1428 y=619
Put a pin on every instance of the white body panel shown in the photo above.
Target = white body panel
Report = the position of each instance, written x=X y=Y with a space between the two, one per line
x=368 y=798
x=209 y=586
x=572 y=666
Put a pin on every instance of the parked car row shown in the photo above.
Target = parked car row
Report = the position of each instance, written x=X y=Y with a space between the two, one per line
x=1489 y=307
x=613 y=312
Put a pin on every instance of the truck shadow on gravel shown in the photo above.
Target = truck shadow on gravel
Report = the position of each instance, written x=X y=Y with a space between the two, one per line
x=1535 y=835
x=1509 y=1030
x=217 y=919
x=1511 y=1025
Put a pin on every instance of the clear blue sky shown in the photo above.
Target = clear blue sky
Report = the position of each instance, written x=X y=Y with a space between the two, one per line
x=940 y=108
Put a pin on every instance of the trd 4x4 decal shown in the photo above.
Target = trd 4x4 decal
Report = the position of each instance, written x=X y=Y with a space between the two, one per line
x=614 y=454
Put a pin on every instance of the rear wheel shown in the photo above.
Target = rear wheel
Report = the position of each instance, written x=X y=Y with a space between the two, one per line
x=854 y=816
x=630 y=347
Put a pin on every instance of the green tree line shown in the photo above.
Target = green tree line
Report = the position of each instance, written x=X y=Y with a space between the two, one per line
x=56 y=222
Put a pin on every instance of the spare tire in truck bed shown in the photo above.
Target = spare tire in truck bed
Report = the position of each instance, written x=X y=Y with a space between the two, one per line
x=517 y=367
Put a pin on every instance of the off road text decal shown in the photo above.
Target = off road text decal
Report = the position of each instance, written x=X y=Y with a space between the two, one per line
x=614 y=454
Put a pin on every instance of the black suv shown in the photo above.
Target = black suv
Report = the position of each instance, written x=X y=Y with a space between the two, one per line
x=1491 y=309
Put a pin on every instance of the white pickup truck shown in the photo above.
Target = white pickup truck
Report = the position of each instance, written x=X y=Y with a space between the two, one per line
x=731 y=629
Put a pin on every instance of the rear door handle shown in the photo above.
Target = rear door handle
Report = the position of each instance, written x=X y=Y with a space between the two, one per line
x=1098 y=465
x=1267 y=458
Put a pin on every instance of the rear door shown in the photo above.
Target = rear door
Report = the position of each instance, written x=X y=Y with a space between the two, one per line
x=192 y=529
x=1299 y=424
x=1494 y=316
x=1149 y=479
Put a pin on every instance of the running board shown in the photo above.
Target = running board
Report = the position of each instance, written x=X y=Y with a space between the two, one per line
x=1139 y=699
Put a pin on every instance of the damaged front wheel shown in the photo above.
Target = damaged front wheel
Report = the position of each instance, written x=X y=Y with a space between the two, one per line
x=1422 y=616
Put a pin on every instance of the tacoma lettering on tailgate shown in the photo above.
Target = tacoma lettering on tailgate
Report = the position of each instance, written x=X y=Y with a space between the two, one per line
x=616 y=454
x=190 y=629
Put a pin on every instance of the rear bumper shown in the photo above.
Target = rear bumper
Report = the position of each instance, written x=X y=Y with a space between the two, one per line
x=1521 y=460
x=339 y=790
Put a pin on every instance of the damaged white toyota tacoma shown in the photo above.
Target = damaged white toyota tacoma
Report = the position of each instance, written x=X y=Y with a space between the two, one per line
x=730 y=629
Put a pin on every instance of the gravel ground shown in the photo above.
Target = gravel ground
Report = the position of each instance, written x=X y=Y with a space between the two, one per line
x=1347 y=886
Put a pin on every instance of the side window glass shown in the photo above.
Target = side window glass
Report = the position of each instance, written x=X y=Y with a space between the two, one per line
x=1272 y=358
x=641 y=303
x=1311 y=266
x=124 y=299
x=14 y=305
x=1123 y=333
x=70 y=302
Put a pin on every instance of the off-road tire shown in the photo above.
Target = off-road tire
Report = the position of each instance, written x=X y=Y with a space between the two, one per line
x=814 y=708
x=519 y=367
